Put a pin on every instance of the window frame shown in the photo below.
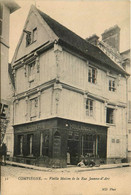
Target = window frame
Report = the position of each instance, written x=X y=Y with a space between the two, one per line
x=30 y=144
x=90 y=107
x=44 y=144
x=28 y=39
x=20 y=145
x=30 y=36
x=34 y=36
x=112 y=85
x=1 y=20
x=92 y=75
x=31 y=73
x=129 y=110
x=36 y=107
x=90 y=144
x=110 y=117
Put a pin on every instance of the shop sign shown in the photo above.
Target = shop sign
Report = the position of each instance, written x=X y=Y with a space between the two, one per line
x=3 y=111
x=77 y=126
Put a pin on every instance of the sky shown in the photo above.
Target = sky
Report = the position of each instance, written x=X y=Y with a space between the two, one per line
x=85 y=17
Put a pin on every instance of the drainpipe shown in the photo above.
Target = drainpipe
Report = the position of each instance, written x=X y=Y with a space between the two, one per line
x=127 y=116
x=82 y=145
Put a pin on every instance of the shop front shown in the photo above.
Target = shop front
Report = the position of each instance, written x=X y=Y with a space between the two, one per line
x=84 y=140
x=58 y=142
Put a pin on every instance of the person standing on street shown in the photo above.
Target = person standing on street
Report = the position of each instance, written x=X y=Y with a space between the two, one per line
x=4 y=153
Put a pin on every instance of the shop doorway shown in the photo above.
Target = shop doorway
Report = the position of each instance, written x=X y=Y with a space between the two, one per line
x=72 y=149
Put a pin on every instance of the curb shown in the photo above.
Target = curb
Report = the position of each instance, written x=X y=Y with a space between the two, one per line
x=68 y=169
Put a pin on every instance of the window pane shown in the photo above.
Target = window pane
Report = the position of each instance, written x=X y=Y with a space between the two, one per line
x=30 y=144
x=112 y=85
x=1 y=12
x=89 y=75
x=110 y=115
x=20 y=139
x=87 y=104
x=33 y=107
x=129 y=106
x=0 y=27
x=32 y=68
x=89 y=107
x=92 y=75
x=35 y=34
x=28 y=39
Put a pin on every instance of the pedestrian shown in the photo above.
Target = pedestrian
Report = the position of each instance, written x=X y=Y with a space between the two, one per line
x=68 y=157
x=4 y=153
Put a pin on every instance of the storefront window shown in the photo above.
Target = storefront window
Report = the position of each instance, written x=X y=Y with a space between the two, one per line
x=57 y=145
x=30 y=144
x=89 y=145
x=44 y=150
x=73 y=135
x=20 y=139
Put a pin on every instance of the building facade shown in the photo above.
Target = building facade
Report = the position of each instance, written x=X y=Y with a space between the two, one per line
x=67 y=96
x=127 y=67
x=6 y=117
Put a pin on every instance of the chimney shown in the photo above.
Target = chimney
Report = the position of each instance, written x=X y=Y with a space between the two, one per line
x=112 y=37
x=93 y=39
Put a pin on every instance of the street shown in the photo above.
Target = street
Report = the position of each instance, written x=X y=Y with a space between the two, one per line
x=17 y=181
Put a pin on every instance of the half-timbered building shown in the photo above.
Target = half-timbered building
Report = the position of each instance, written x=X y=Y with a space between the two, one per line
x=70 y=95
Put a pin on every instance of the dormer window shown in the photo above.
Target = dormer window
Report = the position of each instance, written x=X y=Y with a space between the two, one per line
x=28 y=39
x=31 y=36
x=34 y=35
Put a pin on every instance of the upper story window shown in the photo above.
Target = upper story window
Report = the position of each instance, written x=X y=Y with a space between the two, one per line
x=31 y=36
x=28 y=39
x=92 y=75
x=110 y=116
x=89 y=107
x=33 y=108
x=129 y=110
x=32 y=71
x=1 y=17
x=112 y=85
x=34 y=35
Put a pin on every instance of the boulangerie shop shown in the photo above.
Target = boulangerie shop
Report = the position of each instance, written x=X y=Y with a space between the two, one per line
x=47 y=142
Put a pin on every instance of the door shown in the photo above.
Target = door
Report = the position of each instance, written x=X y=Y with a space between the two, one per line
x=73 y=147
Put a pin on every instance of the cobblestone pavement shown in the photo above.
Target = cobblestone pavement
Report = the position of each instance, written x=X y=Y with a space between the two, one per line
x=17 y=181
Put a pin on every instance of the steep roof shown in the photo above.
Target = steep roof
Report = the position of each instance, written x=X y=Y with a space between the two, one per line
x=71 y=39
x=11 y=75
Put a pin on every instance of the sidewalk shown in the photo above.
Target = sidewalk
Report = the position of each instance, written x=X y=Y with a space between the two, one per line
x=69 y=168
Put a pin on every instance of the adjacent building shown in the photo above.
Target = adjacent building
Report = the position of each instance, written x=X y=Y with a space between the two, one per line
x=127 y=67
x=6 y=117
x=70 y=95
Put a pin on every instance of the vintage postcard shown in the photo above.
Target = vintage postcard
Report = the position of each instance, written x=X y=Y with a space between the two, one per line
x=65 y=97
